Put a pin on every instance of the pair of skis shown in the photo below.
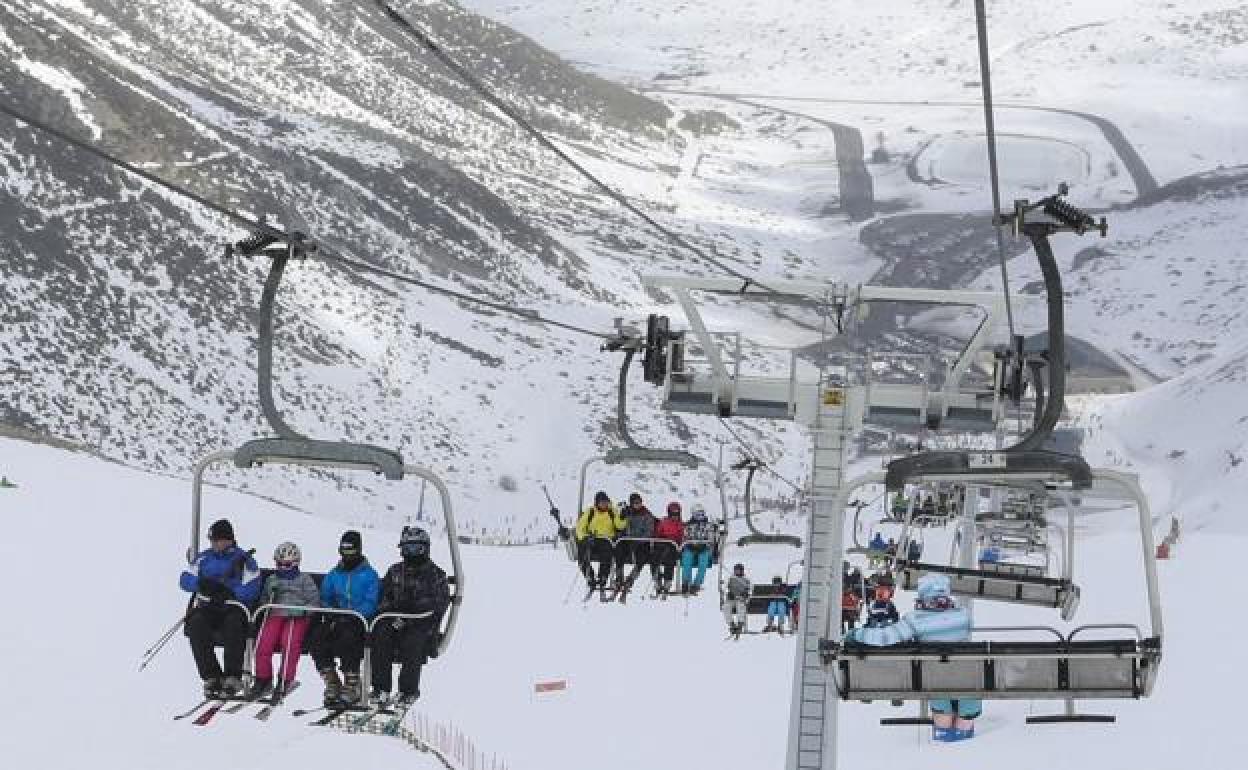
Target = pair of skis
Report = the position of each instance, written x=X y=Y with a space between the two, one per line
x=234 y=705
x=365 y=718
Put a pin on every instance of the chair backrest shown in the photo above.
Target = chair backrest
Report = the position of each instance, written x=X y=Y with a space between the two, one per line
x=763 y=594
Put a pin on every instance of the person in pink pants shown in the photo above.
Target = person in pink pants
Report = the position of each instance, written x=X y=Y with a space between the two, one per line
x=283 y=629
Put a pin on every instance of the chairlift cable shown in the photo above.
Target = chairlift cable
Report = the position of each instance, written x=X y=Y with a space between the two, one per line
x=985 y=77
x=261 y=227
x=750 y=452
x=431 y=45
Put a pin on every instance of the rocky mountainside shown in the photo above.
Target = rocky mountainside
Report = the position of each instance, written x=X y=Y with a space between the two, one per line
x=122 y=326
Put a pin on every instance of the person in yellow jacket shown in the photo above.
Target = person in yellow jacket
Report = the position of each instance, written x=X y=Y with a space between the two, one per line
x=596 y=530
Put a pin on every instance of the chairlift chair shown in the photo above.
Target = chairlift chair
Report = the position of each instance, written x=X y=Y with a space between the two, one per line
x=1045 y=664
x=290 y=448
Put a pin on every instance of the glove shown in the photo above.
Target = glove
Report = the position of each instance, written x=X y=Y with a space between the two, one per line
x=397 y=624
x=554 y=512
x=564 y=533
x=214 y=589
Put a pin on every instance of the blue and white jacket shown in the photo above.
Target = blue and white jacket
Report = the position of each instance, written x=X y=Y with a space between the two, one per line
x=949 y=625
x=232 y=567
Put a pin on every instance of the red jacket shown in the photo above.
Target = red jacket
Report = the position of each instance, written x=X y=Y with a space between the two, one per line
x=670 y=529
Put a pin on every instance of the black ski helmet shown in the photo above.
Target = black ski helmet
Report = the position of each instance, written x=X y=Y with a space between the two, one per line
x=739 y=568
x=601 y=497
x=414 y=542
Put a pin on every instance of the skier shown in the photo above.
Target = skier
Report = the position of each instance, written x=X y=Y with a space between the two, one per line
x=882 y=611
x=596 y=529
x=936 y=618
x=414 y=586
x=640 y=524
x=283 y=629
x=777 y=608
x=699 y=534
x=737 y=600
x=900 y=504
x=851 y=579
x=671 y=529
x=877 y=543
x=851 y=606
x=219 y=575
x=795 y=601
x=914 y=551
x=351 y=585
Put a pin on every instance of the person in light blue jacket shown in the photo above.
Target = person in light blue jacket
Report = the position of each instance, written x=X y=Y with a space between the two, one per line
x=936 y=618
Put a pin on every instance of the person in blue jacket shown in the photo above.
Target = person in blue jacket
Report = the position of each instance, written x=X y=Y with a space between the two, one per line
x=936 y=618
x=352 y=585
x=218 y=576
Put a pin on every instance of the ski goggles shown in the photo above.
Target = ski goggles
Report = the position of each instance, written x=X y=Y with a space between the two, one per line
x=414 y=549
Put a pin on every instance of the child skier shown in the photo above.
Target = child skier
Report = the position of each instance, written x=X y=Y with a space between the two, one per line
x=283 y=629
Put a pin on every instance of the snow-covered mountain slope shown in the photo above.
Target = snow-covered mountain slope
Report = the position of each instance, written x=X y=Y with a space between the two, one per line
x=124 y=329
x=650 y=683
x=1188 y=440
x=1150 y=63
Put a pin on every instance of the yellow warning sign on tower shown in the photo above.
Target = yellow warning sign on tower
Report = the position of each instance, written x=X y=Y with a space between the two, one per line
x=834 y=397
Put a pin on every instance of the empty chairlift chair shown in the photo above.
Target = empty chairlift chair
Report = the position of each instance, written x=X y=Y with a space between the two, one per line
x=1006 y=581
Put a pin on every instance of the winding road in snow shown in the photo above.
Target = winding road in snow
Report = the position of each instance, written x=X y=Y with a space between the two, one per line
x=858 y=198
x=855 y=184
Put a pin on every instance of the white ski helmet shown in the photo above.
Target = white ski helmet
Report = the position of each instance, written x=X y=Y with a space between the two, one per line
x=287 y=552
x=699 y=512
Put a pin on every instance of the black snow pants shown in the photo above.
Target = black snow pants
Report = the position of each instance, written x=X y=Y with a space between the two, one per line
x=340 y=638
x=602 y=551
x=408 y=645
x=638 y=553
x=202 y=623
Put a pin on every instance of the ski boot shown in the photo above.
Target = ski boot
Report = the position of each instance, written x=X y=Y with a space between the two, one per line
x=352 y=690
x=212 y=688
x=405 y=700
x=379 y=699
x=260 y=688
x=333 y=688
x=231 y=687
x=944 y=734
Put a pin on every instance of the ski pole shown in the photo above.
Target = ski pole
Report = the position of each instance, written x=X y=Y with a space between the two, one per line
x=150 y=654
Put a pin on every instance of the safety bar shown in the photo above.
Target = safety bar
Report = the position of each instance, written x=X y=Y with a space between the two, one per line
x=1105 y=626
x=1009 y=629
x=264 y=608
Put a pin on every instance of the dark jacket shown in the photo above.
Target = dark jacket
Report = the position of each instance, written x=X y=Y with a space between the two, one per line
x=640 y=523
x=415 y=589
x=881 y=613
x=700 y=530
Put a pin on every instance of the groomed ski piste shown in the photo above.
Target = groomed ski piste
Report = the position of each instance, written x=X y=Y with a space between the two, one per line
x=98 y=548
